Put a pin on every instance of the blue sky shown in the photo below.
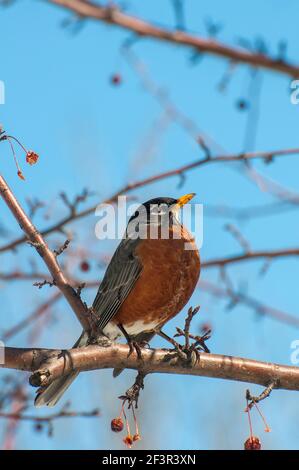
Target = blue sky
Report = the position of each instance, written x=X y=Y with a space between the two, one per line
x=60 y=102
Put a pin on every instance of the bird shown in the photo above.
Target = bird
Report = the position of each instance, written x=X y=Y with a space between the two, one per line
x=149 y=280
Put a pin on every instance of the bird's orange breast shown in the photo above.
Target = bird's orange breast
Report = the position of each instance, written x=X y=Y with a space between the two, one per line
x=169 y=276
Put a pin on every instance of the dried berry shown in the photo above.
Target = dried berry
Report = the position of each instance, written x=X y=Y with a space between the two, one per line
x=128 y=440
x=84 y=266
x=117 y=425
x=252 y=443
x=20 y=175
x=116 y=79
x=31 y=157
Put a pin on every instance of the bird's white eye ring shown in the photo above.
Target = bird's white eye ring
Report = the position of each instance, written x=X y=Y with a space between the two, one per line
x=159 y=209
x=158 y=212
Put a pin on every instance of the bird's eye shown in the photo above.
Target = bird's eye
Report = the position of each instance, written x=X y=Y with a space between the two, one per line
x=159 y=210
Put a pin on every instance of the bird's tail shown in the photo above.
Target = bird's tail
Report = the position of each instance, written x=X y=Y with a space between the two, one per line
x=52 y=393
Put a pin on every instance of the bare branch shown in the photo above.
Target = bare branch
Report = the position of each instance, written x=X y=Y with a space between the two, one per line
x=62 y=248
x=113 y=16
x=252 y=255
x=45 y=282
x=238 y=237
x=265 y=394
x=18 y=275
x=258 y=307
x=51 y=417
x=170 y=109
x=154 y=361
x=235 y=296
x=36 y=239
x=180 y=171
x=43 y=308
x=132 y=394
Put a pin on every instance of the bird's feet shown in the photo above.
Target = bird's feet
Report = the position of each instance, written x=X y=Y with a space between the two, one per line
x=133 y=344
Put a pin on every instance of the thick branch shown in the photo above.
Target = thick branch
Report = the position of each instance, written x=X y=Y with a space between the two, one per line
x=36 y=239
x=179 y=171
x=55 y=363
x=113 y=16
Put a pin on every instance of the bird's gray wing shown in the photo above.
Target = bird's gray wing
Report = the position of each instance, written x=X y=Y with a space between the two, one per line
x=121 y=275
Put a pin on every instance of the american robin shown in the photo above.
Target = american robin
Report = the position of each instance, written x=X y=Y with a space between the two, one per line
x=149 y=279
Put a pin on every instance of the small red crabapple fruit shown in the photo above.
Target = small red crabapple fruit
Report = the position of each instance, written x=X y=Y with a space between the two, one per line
x=128 y=440
x=84 y=266
x=31 y=157
x=116 y=79
x=252 y=443
x=117 y=425
x=20 y=175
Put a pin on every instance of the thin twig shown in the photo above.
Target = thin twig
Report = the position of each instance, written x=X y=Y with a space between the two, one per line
x=132 y=394
x=179 y=171
x=51 y=417
x=62 y=248
x=256 y=399
x=254 y=255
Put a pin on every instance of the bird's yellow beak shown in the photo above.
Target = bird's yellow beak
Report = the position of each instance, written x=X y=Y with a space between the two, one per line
x=184 y=199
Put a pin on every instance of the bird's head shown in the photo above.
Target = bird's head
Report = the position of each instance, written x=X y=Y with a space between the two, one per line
x=160 y=210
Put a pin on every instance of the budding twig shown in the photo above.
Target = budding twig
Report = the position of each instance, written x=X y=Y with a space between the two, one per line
x=256 y=399
x=132 y=394
x=62 y=248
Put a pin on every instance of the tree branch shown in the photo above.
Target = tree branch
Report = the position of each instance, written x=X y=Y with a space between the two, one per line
x=50 y=417
x=36 y=239
x=258 y=307
x=49 y=364
x=113 y=16
x=251 y=255
x=179 y=171
x=37 y=313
